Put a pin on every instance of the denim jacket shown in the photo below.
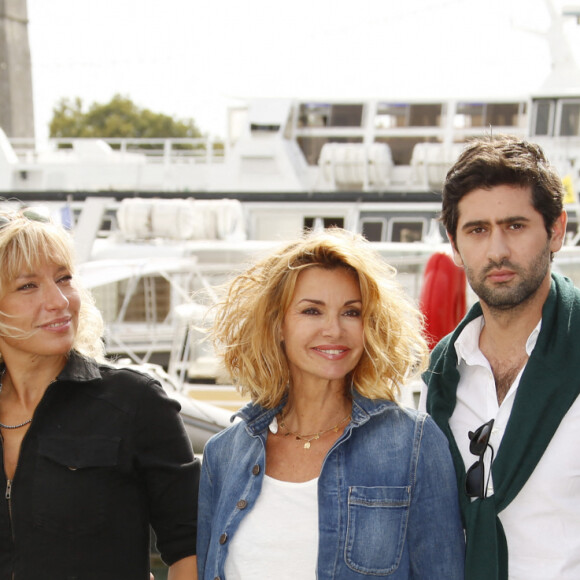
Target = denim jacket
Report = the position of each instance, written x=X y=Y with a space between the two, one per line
x=387 y=495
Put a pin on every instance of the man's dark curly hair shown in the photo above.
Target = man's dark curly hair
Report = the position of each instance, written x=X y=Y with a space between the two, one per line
x=502 y=160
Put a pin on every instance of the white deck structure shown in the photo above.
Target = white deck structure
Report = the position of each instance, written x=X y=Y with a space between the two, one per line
x=157 y=220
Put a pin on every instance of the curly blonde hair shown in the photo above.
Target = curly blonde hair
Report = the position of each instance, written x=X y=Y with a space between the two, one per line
x=25 y=243
x=248 y=319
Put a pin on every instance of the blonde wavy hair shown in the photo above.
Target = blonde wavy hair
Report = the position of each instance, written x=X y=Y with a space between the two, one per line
x=248 y=319
x=28 y=240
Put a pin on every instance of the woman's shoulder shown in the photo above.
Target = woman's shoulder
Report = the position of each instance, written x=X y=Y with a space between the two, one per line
x=400 y=421
x=81 y=368
x=419 y=420
x=248 y=423
x=232 y=436
x=124 y=387
x=383 y=410
x=231 y=449
x=128 y=376
x=426 y=432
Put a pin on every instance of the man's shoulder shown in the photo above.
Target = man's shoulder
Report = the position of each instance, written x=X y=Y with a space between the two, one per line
x=441 y=356
x=442 y=345
x=441 y=350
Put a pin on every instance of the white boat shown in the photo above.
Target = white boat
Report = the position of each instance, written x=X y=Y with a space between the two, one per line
x=157 y=220
x=307 y=154
x=370 y=165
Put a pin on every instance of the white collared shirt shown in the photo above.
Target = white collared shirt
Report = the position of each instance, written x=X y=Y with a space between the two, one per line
x=542 y=523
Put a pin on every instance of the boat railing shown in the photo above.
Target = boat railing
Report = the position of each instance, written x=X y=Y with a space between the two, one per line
x=167 y=151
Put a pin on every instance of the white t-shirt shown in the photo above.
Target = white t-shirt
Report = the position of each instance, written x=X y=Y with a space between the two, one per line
x=278 y=538
x=542 y=523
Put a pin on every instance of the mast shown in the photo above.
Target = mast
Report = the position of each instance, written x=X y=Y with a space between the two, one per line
x=564 y=69
x=16 y=105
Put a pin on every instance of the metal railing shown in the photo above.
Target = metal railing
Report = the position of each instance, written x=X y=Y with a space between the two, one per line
x=160 y=150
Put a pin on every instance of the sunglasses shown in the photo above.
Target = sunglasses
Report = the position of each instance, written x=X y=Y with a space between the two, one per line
x=30 y=214
x=475 y=483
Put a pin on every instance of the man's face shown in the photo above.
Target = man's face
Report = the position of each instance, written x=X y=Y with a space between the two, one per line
x=502 y=244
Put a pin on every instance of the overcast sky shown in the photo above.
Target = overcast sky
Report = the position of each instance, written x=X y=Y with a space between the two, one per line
x=191 y=58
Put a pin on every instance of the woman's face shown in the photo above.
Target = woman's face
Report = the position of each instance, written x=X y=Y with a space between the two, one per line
x=44 y=304
x=323 y=328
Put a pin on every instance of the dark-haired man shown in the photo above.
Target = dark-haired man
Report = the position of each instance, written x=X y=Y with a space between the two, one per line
x=504 y=385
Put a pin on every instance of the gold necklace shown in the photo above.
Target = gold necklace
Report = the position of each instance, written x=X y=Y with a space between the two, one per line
x=313 y=436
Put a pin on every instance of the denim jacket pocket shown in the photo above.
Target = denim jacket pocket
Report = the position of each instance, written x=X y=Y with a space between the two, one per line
x=72 y=489
x=377 y=523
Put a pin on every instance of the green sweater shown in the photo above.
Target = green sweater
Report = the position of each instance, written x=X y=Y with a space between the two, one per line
x=549 y=385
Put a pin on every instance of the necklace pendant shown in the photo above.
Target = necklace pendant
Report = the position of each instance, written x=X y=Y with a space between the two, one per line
x=307 y=445
x=273 y=426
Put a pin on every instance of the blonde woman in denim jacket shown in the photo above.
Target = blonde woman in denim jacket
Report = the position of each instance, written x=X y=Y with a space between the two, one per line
x=325 y=476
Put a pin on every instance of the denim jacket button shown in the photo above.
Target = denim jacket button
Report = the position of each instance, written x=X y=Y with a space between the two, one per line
x=217 y=578
x=223 y=538
x=256 y=469
x=242 y=504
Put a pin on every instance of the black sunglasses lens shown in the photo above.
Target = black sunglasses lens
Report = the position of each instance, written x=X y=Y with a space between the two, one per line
x=478 y=443
x=480 y=438
x=474 y=480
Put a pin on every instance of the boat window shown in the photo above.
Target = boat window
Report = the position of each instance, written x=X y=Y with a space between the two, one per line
x=570 y=119
x=543 y=117
x=425 y=115
x=374 y=230
x=312 y=115
x=264 y=128
x=488 y=114
x=394 y=115
x=390 y=116
x=406 y=230
x=318 y=222
x=108 y=224
x=502 y=114
x=346 y=116
x=469 y=115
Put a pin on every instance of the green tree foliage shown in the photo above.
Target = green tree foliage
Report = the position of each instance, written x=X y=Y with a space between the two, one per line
x=118 y=118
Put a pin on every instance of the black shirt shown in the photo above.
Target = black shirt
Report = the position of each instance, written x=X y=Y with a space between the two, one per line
x=106 y=455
